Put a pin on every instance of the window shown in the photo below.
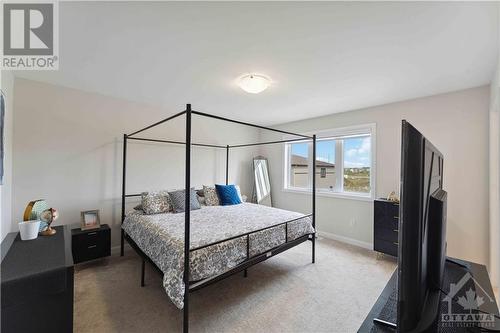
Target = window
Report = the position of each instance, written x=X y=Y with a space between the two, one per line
x=344 y=162
x=298 y=170
x=325 y=160
x=357 y=164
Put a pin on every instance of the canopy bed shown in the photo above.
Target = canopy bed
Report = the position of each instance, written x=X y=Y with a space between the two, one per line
x=213 y=242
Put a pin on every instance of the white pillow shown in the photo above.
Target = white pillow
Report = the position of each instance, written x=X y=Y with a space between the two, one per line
x=239 y=192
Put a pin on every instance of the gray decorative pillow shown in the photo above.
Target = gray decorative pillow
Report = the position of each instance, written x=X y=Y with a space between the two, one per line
x=178 y=200
x=211 y=196
x=156 y=202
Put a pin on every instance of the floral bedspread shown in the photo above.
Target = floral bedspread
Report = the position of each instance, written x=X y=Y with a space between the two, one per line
x=161 y=237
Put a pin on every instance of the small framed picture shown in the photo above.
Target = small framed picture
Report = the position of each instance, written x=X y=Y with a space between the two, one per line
x=90 y=220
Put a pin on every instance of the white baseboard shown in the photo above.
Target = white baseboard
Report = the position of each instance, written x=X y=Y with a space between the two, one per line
x=346 y=240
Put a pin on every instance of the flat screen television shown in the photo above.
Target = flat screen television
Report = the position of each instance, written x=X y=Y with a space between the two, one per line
x=422 y=233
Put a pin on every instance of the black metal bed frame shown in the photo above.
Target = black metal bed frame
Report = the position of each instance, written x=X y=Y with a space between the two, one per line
x=250 y=260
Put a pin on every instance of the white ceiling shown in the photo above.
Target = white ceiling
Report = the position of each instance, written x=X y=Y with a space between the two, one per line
x=323 y=57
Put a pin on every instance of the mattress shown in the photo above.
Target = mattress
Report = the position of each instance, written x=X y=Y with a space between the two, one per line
x=161 y=238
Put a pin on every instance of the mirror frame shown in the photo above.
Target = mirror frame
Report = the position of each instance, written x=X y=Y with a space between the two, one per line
x=254 y=197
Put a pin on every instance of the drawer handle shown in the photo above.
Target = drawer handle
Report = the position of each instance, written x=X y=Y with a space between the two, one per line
x=395 y=230
x=396 y=217
x=92 y=246
x=395 y=243
x=92 y=233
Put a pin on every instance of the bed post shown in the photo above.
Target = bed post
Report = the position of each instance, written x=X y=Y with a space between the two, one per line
x=187 y=215
x=314 y=201
x=124 y=176
x=227 y=164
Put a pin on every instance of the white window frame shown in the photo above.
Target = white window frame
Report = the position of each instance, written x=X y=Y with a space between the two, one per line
x=336 y=133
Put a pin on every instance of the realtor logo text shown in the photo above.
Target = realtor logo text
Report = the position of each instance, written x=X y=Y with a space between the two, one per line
x=30 y=36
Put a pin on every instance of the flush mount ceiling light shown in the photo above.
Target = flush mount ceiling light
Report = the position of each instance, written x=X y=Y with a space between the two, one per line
x=254 y=83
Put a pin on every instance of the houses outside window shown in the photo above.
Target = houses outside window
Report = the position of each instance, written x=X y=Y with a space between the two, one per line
x=344 y=163
x=323 y=172
x=298 y=165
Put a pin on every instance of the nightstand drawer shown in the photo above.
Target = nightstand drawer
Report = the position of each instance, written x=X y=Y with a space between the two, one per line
x=91 y=244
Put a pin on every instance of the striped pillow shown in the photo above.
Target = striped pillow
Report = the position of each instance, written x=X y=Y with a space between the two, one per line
x=178 y=200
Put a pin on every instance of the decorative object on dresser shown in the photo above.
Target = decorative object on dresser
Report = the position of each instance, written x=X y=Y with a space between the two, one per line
x=386 y=227
x=392 y=197
x=91 y=244
x=48 y=216
x=90 y=220
x=33 y=211
x=28 y=230
x=37 y=283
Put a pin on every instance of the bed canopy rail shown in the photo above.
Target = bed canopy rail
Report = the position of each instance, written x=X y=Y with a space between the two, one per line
x=250 y=260
x=177 y=142
x=158 y=123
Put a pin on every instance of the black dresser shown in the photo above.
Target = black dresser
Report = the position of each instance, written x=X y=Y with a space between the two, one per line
x=37 y=283
x=91 y=244
x=385 y=227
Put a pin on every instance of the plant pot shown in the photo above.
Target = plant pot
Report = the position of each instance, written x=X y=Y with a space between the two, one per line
x=29 y=229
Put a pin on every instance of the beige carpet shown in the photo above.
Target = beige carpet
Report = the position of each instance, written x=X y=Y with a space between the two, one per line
x=284 y=294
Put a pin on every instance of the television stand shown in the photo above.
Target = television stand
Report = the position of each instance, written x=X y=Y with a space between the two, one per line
x=384 y=323
x=465 y=275
x=458 y=262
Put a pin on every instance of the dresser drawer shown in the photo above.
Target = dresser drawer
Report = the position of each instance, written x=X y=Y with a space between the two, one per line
x=390 y=235
x=91 y=244
x=386 y=227
x=391 y=224
x=386 y=247
x=386 y=215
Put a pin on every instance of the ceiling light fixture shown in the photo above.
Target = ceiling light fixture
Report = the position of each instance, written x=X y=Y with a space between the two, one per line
x=254 y=83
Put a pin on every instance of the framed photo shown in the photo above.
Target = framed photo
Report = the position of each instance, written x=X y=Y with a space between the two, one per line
x=90 y=220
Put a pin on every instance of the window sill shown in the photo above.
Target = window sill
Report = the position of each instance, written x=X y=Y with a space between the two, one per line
x=326 y=194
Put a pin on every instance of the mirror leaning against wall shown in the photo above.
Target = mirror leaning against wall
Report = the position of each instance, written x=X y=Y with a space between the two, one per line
x=262 y=185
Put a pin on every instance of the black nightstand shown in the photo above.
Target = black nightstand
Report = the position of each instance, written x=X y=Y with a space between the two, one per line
x=91 y=244
x=386 y=227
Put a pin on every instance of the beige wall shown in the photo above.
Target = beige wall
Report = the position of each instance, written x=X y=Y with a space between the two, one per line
x=7 y=86
x=68 y=149
x=68 y=146
x=495 y=173
x=457 y=123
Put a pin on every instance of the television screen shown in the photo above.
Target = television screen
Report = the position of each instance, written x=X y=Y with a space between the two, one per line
x=421 y=232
